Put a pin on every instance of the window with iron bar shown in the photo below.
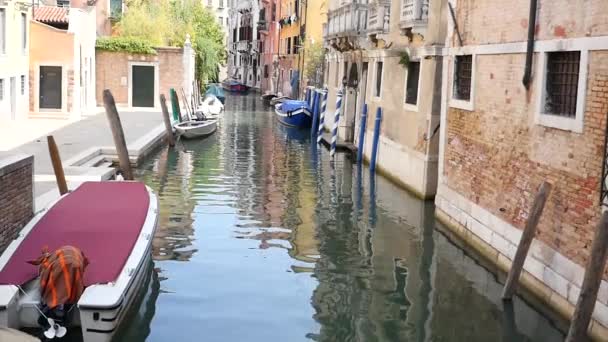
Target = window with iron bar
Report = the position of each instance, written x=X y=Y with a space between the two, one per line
x=411 y=89
x=379 y=66
x=22 y=84
x=463 y=74
x=562 y=83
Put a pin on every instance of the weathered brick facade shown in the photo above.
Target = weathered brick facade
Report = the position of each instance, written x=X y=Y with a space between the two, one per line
x=112 y=72
x=16 y=195
x=497 y=150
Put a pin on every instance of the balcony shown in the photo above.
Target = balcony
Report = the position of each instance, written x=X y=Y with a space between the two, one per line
x=242 y=46
x=379 y=14
x=347 y=21
x=414 y=14
x=244 y=6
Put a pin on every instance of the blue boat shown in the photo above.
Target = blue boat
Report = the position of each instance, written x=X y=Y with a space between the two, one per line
x=294 y=113
x=217 y=91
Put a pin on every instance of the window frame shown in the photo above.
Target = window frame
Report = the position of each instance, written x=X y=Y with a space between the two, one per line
x=2 y=86
x=379 y=95
x=468 y=105
x=573 y=124
x=409 y=106
x=24 y=42
x=3 y=34
x=23 y=85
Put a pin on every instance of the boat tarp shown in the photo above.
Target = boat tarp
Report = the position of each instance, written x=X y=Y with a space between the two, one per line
x=293 y=105
x=102 y=219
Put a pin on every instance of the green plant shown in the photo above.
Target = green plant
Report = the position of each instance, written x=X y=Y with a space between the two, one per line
x=404 y=58
x=313 y=70
x=125 y=44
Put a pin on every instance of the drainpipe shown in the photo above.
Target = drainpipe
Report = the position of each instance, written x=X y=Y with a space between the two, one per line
x=530 y=51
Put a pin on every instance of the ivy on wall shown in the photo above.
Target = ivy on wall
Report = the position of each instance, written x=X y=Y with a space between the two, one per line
x=125 y=44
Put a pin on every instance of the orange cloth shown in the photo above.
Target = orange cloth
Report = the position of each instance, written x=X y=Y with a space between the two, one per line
x=61 y=274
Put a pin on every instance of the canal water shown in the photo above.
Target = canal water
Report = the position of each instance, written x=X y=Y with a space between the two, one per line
x=263 y=238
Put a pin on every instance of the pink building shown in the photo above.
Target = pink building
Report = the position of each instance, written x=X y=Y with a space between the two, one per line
x=269 y=36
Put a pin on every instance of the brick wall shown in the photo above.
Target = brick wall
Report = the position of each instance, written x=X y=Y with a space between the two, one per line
x=496 y=156
x=499 y=21
x=112 y=72
x=16 y=195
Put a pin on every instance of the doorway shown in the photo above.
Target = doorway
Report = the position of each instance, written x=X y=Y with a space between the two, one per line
x=142 y=86
x=50 y=91
x=362 y=96
x=352 y=92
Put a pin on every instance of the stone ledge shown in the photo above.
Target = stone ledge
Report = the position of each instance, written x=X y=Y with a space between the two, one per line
x=10 y=162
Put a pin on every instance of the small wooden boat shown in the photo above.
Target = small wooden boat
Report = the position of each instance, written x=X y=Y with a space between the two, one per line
x=279 y=99
x=235 y=86
x=196 y=129
x=113 y=224
x=294 y=113
x=217 y=91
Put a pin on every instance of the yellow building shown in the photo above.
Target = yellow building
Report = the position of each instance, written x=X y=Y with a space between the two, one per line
x=14 y=59
x=315 y=17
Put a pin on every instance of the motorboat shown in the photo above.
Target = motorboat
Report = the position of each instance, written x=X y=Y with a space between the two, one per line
x=113 y=224
x=196 y=128
x=294 y=113
x=234 y=86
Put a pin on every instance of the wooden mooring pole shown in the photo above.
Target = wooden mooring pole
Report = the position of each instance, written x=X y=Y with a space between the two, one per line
x=526 y=240
x=118 y=134
x=591 y=283
x=57 y=166
x=167 y=120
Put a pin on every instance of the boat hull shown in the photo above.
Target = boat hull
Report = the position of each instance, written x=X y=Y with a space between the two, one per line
x=196 y=129
x=300 y=118
x=236 y=88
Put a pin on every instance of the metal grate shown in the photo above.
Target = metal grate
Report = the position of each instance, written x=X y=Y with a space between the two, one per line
x=411 y=90
x=462 y=79
x=562 y=83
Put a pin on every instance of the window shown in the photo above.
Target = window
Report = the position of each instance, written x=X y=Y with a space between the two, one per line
x=22 y=84
x=2 y=31
x=289 y=45
x=411 y=87
x=24 y=32
x=462 y=77
x=227 y=22
x=562 y=83
x=336 y=77
x=221 y=3
x=265 y=70
x=378 y=90
x=1 y=89
x=210 y=3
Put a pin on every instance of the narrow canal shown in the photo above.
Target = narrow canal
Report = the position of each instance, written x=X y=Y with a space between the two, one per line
x=262 y=238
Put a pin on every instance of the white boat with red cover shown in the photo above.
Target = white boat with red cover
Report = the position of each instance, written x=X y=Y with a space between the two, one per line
x=113 y=223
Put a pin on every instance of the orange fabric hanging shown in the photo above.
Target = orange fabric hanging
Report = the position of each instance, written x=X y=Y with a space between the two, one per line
x=61 y=274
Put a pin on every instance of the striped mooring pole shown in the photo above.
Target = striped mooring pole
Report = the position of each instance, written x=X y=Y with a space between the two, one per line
x=362 y=128
x=322 y=115
x=316 y=104
x=334 y=130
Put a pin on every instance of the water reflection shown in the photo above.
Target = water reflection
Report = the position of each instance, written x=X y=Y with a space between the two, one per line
x=263 y=237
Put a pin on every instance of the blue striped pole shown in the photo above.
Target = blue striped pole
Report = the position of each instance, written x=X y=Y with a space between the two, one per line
x=316 y=99
x=362 y=127
x=372 y=163
x=322 y=116
x=334 y=131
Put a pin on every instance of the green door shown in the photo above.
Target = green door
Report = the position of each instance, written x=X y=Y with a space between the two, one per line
x=143 y=86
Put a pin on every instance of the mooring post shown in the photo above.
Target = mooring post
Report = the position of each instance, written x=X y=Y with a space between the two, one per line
x=307 y=95
x=526 y=240
x=322 y=116
x=372 y=162
x=177 y=113
x=57 y=166
x=315 y=114
x=591 y=283
x=334 y=131
x=167 y=120
x=362 y=128
x=118 y=134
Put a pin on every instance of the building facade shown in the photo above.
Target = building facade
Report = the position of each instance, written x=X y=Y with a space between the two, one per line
x=388 y=55
x=220 y=8
x=62 y=61
x=268 y=27
x=244 y=44
x=14 y=59
x=501 y=137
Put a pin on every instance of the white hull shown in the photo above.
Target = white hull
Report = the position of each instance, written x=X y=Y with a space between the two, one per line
x=196 y=129
x=102 y=307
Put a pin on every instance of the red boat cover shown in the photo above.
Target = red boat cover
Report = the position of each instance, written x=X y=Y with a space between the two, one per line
x=103 y=219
